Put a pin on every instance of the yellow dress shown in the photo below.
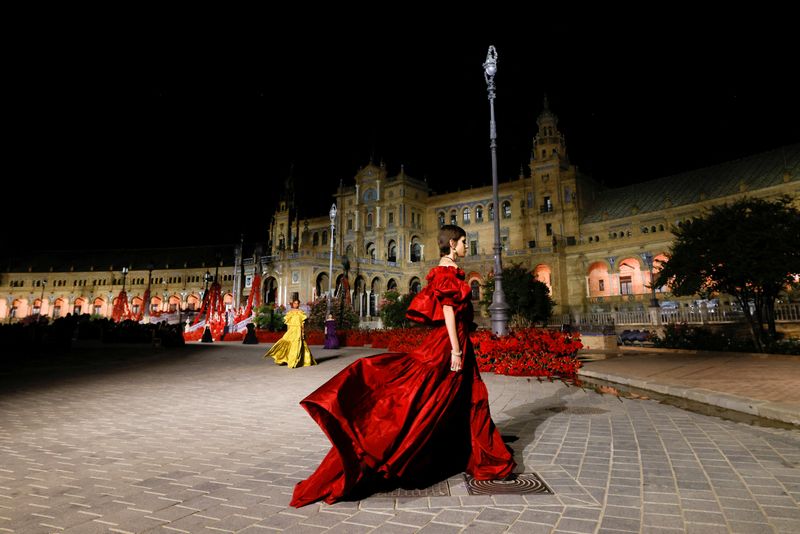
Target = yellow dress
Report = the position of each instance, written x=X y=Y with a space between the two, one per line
x=292 y=349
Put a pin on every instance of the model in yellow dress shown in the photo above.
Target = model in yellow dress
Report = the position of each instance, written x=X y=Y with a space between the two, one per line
x=292 y=349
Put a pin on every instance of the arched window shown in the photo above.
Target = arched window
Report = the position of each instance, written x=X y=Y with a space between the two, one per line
x=322 y=283
x=371 y=250
x=506 y=209
x=491 y=212
x=599 y=280
x=414 y=286
x=391 y=285
x=369 y=221
x=416 y=252
x=453 y=217
x=465 y=216
x=475 y=288
x=479 y=214
x=415 y=249
x=391 y=251
x=315 y=239
x=324 y=237
x=349 y=250
x=441 y=219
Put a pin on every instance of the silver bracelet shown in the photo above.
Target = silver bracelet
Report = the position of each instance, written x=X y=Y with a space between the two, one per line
x=456 y=353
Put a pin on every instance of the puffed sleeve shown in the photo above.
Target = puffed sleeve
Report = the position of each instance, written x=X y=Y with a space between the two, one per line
x=444 y=289
x=448 y=289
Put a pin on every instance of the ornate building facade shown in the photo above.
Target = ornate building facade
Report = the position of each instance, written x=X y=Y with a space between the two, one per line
x=596 y=248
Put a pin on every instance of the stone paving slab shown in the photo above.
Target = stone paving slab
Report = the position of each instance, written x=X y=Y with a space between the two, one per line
x=757 y=384
x=212 y=439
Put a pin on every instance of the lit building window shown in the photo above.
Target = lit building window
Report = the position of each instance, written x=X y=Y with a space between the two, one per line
x=625 y=285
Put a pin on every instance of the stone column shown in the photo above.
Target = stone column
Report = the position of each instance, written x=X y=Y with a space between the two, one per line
x=655 y=315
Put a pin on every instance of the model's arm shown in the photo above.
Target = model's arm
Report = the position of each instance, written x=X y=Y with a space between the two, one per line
x=450 y=324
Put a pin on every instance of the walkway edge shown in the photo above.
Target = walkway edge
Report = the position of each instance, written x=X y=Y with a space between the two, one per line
x=766 y=409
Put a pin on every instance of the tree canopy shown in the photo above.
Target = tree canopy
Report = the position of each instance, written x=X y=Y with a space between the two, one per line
x=749 y=250
x=393 y=310
x=526 y=296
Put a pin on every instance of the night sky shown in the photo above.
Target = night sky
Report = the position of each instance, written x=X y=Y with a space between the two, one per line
x=173 y=135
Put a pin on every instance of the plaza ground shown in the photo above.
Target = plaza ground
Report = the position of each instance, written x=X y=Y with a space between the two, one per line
x=210 y=438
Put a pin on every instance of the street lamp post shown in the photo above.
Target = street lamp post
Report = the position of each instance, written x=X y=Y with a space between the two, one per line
x=207 y=279
x=499 y=308
x=41 y=298
x=207 y=337
x=146 y=311
x=124 y=276
x=330 y=265
x=166 y=297
x=180 y=308
x=648 y=259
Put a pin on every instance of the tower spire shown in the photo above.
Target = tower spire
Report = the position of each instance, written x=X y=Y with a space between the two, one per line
x=548 y=142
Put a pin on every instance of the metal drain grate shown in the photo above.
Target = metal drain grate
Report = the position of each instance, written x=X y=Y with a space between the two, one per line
x=440 y=489
x=518 y=484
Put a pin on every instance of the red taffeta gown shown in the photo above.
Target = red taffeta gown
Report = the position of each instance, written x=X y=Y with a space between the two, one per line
x=405 y=419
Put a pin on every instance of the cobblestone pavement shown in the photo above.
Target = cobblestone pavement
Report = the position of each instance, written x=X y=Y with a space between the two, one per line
x=212 y=439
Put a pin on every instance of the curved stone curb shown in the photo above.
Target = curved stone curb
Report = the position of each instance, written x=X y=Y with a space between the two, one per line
x=784 y=412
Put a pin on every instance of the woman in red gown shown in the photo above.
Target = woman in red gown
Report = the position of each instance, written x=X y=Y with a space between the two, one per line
x=410 y=419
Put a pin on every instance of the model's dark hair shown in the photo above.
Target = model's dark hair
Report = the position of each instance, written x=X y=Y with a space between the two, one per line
x=446 y=233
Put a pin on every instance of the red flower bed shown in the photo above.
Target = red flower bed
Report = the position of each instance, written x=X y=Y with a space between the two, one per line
x=528 y=352
x=315 y=337
x=404 y=339
x=234 y=336
x=265 y=336
x=398 y=339
x=354 y=338
x=193 y=336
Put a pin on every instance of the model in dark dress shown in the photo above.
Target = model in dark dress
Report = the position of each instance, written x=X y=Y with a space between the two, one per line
x=331 y=339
